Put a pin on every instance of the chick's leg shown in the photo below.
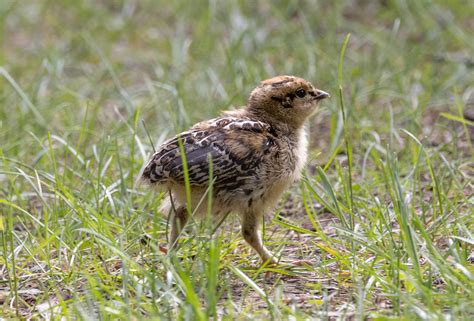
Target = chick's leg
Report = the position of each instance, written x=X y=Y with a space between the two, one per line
x=178 y=221
x=251 y=234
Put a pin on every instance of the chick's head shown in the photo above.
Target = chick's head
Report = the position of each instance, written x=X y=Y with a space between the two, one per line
x=286 y=99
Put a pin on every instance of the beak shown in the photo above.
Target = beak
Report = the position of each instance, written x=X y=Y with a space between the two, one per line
x=321 y=95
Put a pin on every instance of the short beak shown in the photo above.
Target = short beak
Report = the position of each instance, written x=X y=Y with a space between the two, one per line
x=321 y=95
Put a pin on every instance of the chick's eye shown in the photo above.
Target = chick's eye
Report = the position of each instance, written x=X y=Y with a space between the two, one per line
x=300 y=93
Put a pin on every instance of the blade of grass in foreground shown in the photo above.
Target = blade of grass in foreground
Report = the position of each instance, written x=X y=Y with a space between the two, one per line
x=247 y=280
x=347 y=136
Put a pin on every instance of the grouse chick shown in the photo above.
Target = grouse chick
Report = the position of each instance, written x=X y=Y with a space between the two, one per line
x=255 y=153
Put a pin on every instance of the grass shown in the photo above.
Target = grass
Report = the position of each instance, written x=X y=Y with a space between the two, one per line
x=384 y=212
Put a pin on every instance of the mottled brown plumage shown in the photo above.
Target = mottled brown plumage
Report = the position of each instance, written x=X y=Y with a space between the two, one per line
x=257 y=152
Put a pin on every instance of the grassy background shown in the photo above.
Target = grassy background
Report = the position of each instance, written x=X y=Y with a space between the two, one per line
x=383 y=216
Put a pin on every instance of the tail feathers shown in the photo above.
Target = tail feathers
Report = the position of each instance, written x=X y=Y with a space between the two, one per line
x=145 y=176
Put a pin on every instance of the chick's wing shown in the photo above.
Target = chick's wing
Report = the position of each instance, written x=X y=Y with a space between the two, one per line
x=235 y=148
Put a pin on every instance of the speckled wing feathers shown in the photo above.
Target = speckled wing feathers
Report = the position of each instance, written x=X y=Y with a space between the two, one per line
x=234 y=144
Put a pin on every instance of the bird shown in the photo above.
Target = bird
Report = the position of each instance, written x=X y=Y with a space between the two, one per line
x=249 y=155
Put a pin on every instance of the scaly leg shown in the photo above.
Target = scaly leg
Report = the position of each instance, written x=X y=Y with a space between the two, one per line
x=178 y=221
x=251 y=233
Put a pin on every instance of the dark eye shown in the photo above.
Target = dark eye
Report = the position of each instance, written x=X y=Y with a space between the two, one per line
x=300 y=92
